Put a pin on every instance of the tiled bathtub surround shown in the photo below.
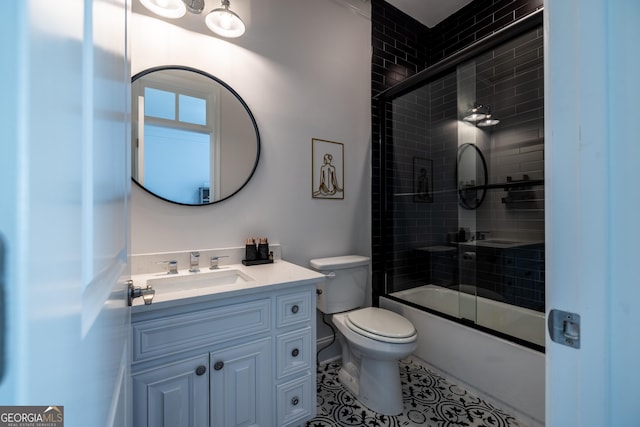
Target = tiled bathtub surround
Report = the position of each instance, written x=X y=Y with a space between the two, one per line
x=424 y=126
x=401 y=48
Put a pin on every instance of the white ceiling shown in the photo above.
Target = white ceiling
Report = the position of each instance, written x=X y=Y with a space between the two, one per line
x=429 y=12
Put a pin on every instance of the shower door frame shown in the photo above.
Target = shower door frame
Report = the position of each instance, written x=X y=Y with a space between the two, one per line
x=382 y=259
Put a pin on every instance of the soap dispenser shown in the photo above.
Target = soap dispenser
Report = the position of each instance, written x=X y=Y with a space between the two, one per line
x=251 y=253
x=263 y=249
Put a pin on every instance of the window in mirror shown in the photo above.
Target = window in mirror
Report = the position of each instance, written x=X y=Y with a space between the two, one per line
x=159 y=104
x=179 y=133
x=175 y=106
x=192 y=109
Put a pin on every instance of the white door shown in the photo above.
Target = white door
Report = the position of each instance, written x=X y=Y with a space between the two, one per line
x=64 y=185
x=592 y=136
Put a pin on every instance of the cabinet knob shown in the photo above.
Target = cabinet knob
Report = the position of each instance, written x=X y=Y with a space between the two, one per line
x=319 y=291
x=218 y=365
x=295 y=401
x=200 y=370
x=295 y=309
x=295 y=352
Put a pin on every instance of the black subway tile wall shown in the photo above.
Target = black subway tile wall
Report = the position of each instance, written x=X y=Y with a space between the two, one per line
x=400 y=50
x=510 y=78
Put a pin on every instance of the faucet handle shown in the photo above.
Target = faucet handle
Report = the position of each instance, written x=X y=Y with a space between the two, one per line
x=172 y=266
x=147 y=295
x=195 y=262
x=214 y=261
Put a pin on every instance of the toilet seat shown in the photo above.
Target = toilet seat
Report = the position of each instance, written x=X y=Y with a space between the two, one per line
x=381 y=325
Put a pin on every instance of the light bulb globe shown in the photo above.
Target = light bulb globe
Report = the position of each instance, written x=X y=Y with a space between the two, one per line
x=171 y=9
x=225 y=23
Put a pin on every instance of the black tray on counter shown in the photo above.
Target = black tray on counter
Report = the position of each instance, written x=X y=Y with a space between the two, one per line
x=257 y=261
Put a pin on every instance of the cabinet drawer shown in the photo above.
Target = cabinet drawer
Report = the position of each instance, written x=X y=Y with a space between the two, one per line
x=162 y=337
x=294 y=308
x=294 y=353
x=295 y=401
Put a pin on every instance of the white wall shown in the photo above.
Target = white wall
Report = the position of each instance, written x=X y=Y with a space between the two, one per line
x=303 y=67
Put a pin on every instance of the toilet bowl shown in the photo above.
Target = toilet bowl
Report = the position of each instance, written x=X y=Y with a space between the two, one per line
x=372 y=339
x=370 y=360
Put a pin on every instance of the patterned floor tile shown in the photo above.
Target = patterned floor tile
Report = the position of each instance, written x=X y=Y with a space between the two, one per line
x=429 y=400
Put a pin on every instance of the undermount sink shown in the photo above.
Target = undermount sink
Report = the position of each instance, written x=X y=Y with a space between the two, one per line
x=203 y=279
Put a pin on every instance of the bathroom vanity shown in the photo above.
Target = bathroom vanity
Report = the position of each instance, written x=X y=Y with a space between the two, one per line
x=227 y=347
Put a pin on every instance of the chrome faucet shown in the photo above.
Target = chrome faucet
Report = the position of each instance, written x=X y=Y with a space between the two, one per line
x=213 y=261
x=172 y=266
x=195 y=262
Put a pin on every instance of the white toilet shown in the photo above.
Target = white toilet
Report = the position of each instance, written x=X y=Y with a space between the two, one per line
x=372 y=339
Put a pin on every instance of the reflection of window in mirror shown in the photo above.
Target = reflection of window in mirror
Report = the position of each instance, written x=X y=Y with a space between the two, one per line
x=178 y=140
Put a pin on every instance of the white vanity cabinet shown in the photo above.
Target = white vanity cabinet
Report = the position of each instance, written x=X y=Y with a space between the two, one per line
x=242 y=360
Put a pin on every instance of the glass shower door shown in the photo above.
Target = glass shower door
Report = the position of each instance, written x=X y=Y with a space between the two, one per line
x=463 y=155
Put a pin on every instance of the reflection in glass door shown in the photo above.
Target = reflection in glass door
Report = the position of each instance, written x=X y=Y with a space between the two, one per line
x=464 y=191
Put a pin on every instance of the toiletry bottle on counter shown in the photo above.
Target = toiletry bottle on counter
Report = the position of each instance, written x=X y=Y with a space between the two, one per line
x=263 y=248
x=251 y=253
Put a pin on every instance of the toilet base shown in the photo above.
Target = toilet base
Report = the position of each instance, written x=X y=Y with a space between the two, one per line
x=377 y=385
x=376 y=375
x=349 y=379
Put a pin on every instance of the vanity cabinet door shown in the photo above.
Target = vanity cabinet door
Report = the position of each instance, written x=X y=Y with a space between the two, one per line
x=173 y=395
x=241 y=385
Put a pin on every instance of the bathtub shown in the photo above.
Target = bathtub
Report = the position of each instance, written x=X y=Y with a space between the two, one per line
x=519 y=322
x=501 y=371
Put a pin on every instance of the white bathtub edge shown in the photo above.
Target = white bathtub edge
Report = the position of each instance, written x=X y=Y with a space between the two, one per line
x=505 y=374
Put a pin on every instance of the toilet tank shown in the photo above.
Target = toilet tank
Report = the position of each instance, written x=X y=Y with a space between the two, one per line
x=345 y=286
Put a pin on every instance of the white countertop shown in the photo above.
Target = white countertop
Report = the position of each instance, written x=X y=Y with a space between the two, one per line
x=265 y=277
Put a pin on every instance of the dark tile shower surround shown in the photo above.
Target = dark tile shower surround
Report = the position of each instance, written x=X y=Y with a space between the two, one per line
x=403 y=47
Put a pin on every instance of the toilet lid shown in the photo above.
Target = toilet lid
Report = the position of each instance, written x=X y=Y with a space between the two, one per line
x=383 y=324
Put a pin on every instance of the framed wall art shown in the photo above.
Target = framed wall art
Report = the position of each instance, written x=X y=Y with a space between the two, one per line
x=422 y=180
x=327 y=166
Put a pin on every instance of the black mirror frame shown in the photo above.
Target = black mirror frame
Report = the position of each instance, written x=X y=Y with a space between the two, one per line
x=238 y=97
x=462 y=192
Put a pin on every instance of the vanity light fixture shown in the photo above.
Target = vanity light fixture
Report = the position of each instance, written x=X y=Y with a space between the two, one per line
x=224 y=22
x=221 y=21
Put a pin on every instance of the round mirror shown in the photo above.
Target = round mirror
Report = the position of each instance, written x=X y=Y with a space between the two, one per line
x=194 y=139
x=471 y=175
